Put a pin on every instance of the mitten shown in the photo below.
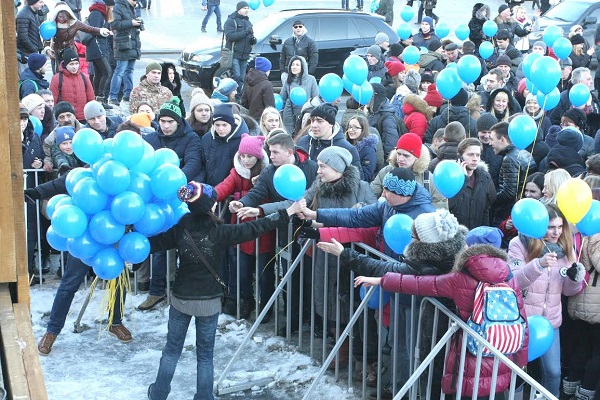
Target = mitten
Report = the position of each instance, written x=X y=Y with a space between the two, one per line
x=309 y=233
x=189 y=192
x=576 y=272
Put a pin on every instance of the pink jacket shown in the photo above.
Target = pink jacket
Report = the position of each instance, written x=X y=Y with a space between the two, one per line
x=542 y=288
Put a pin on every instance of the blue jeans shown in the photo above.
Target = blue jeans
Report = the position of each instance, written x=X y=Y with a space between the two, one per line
x=75 y=272
x=205 y=343
x=158 y=282
x=238 y=72
x=550 y=365
x=123 y=74
x=217 y=10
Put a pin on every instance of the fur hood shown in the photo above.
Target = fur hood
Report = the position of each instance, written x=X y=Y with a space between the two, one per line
x=62 y=6
x=370 y=141
x=245 y=172
x=481 y=11
x=441 y=254
x=340 y=188
x=418 y=104
x=420 y=166
x=475 y=250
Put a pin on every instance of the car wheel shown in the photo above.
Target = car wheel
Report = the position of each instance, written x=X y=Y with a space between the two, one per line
x=221 y=73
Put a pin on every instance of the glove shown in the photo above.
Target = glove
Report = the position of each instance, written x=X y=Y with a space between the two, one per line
x=31 y=195
x=309 y=233
x=252 y=40
x=63 y=168
x=301 y=223
x=576 y=272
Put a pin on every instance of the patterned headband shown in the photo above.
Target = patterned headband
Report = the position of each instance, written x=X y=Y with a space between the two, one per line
x=399 y=186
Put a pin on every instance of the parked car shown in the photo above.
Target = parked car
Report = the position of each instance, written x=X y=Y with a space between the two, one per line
x=336 y=32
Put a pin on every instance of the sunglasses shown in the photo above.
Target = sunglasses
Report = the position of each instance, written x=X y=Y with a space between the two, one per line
x=298 y=26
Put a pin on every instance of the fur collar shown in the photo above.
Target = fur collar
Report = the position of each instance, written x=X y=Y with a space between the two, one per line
x=245 y=172
x=418 y=104
x=420 y=166
x=475 y=250
x=340 y=188
x=441 y=255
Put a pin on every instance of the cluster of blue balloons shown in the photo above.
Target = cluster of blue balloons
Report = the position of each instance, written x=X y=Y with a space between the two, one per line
x=355 y=81
x=542 y=75
x=128 y=193
x=254 y=4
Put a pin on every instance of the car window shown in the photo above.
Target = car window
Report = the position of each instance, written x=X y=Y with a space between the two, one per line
x=285 y=30
x=366 y=28
x=568 y=11
x=332 y=28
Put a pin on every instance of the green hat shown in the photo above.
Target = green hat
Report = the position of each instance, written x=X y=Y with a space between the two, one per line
x=171 y=109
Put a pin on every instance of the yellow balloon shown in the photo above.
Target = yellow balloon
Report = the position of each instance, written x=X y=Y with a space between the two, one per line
x=574 y=199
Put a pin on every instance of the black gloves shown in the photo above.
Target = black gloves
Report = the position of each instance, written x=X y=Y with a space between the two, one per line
x=252 y=40
x=63 y=169
x=300 y=223
x=576 y=272
x=31 y=195
x=309 y=233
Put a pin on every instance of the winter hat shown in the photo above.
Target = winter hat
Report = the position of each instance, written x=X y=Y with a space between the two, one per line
x=542 y=44
x=570 y=137
x=394 y=67
x=551 y=135
x=171 y=109
x=395 y=50
x=460 y=99
x=298 y=22
x=381 y=37
x=224 y=112
x=200 y=98
x=23 y=111
x=427 y=76
x=36 y=61
x=577 y=116
x=451 y=46
x=336 y=157
x=503 y=34
x=436 y=227
x=503 y=60
x=325 y=111
x=577 y=39
x=200 y=197
x=400 y=181
x=262 y=64
x=31 y=101
x=226 y=86
x=69 y=55
x=434 y=44
x=486 y=121
x=410 y=142
x=32 y=2
x=567 y=62
x=240 y=5
x=502 y=8
x=143 y=120
x=428 y=20
x=63 y=107
x=93 y=109
x=530 y=96
x=153 y=66
x=252 y=145
x=522 y=85
x=412 y=80
x=433 y=97
x=485 y=235
x=375 y=51
x=63 y=133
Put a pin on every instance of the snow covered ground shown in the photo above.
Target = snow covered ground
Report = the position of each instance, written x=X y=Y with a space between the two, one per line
x=95 y=365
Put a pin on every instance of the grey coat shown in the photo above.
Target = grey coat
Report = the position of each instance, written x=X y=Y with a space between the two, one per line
x=305 y=81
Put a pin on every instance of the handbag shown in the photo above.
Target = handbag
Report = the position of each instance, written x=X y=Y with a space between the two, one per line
x=226 y=60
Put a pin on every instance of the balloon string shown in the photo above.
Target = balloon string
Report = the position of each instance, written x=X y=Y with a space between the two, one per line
x=282 y=249
x=539 y=124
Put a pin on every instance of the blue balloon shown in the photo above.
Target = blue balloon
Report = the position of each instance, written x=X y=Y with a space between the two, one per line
x=88 y=145
x=166 y=156
x=469 y=68
x=551 y=34
x=180 y=212
x=38 y=128
x=57 y=242
x=356 y=69
x=545 y=74
x=105 y=229
x=549 y=101
x=127 y=208
x=298 y=96
x=174 y=202
x=362 y=93
x=88 y=196
x=528 y=62
x=140 y=184
x=152 y=221
x=166 y=180
x=69 y=221
x=83 y=246
x=530 y=217
x=278 y=102
x=65 y=201
x=268 y=3
x=590 y=223
x=108 y=264
x=331 y=87
x=169 y=214
x=397 y=232
x=347 y=84
x=134 y=247
x=74 y=176
x=462 y=32
x=148 y=161
x=411 y=55
x=290 y=182
x=407 y=13
x=452 y=65
x=254 y=4
x=490 y=28
x=108 y=143
x=562 y=47
x=541 y=336
x=128 y=148
x=448 y=83
x=486 y=49
x=373 y=302
x=522 y=131
x=51 y=205
x=404 y=31
x=113 y=177
x=448 y=178
x=375 y=79
x=579 y=94
x=48 y=30
x=442 y=30
x=96 y=166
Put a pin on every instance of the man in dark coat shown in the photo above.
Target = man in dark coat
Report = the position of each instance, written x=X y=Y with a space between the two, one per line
x=239 y=36
x=32 y=78
x=450 y=112
x=258 y=93
x=28 y=32
x=299 y=44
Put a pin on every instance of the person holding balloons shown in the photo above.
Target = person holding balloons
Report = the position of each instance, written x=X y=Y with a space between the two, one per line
x=298 y=82
x=538 y=264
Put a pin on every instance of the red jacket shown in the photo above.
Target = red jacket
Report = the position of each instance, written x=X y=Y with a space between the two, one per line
x=73 y=90
x=483 y=263
x=415 y=121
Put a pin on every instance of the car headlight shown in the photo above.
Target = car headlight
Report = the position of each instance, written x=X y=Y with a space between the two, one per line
x=201 y=57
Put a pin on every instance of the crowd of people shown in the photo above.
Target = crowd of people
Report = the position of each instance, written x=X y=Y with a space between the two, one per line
x=233 y=142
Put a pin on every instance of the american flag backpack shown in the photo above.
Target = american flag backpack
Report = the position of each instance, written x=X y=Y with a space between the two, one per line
x=497 y=319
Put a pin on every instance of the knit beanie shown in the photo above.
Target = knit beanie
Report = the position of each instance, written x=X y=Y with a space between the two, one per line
x=200 y=98
x=486 y=121
x=427 y=76
x=460 y=99
x=410 y=142
x=428 y=20
x=31 y=101
x=23 y=112
x=412 y=80
x=394 y=67
x=542 y=44
x=262 y=64
x=252 y=145
x=224 y=112
x=69 y=55
x=551 y=136
x=434 y=44
x=400 y=181
x=530 y=96
x=485 y=235
x=577 y=116
x=63 y=133
x=153 y=66
x=395 y=50
x=567 y=62
x=143 y=120
x=171 y=109
x=570 y=137
x=433 y=97
x=522 y=85
x=93 y=109
x=325 y=111
x=381 y=38
x=36 y=61
x=375 y=51
x=200 y=197
x=436 y=227
x=577 y=39
x=503 y=60
x=63 y=107
x=240 y=5
x=335 y=157
x=226 y=85
x=32 y=2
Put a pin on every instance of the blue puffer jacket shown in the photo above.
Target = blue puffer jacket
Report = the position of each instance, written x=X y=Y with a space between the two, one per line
x=185 y=143
x=367 y=152
x=217 y=153
x=31 y=83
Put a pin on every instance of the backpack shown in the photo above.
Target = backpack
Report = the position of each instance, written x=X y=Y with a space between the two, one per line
x=21 y=84
x=400 y=125
x=497 y=319
x=60 y=83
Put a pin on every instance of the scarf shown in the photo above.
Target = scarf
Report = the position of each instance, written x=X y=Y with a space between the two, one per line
x=548 y=247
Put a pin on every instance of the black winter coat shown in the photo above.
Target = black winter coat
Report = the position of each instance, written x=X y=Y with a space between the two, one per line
x=478 y=18
x=31 y=83
x=471 y=206
x=593 y=118
x=28 y=32
x=305 y=47
x=511 y=180
x=32 y=149
x=239 y=35
x=98 y=47
x=258 y=93
x=126 y=42
x=456 y=113
x=493 y=161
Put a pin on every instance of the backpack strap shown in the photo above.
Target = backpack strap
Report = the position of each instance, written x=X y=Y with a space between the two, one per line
x=27 y=80
x=426 y=180
x=60 y=83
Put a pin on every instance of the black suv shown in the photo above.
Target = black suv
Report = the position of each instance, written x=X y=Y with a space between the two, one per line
x=336 y=32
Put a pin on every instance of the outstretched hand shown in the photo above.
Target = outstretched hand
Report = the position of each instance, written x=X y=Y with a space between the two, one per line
x=334 y=247
x=367 y=281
